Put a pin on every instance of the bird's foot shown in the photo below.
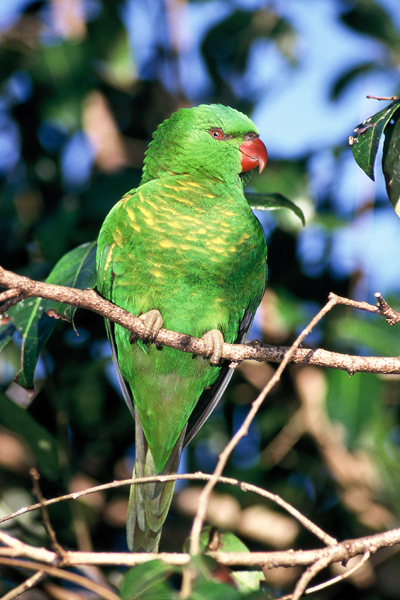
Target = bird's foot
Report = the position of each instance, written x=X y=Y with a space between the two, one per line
x=153 y=322
x=214 y=341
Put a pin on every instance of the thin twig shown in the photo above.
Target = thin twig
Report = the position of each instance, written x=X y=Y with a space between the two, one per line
x=383 y=308
x=245 y=487
x=45 y=514
x=309 y=574
x=10 y=299
x=98 y=589
x=316 y=588
x=25 y=585
x=321 y=586
x=391 y=315
x=384 y=97
x=14 y=547
x=11 y=293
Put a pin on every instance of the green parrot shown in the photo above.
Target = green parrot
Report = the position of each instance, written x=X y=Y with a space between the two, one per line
x=183 y=251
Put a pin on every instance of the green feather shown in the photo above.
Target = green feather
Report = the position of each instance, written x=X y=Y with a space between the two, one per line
x=186 y=243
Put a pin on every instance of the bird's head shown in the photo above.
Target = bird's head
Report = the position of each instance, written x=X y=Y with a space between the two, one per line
x=212 y=141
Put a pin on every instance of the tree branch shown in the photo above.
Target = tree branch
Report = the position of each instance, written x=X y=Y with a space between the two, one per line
x=20 y=287
x=340 y=552
x=366 y=556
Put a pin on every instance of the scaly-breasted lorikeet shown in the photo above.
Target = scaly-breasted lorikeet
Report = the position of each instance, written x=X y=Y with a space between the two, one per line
x=184 y=251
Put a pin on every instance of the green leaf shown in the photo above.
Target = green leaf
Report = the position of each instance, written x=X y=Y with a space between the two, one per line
x=391 y=161
x=35 y=327
x=33 y=317
x=39 y=439
x=220 y=541
x=210 y=582
x=273 y=201
x=364 y=144
x=75 y=269
x=148 y=581
x=226 y=541
x=205 y=589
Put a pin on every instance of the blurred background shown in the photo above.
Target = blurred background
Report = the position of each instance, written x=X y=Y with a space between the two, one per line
x=83 y=84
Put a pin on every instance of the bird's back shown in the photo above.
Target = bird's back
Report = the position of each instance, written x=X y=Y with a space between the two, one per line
x=195 y=252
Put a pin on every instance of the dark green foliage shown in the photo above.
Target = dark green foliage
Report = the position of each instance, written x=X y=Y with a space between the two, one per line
x=391 y=161
x=349 y=76
x=35 y=318
x=152 y=581
x=41 y=442
x=371 y=18
x=225 y=541
x=148 y=582
x=364 y=144
x=226 y=47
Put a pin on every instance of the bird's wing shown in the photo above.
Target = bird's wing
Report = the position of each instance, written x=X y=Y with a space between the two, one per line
x=126 y=393
x=105 y=287
x=212 y=395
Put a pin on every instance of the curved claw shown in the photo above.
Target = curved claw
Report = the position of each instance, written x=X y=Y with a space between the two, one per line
x=153 y=322
x=214 y=341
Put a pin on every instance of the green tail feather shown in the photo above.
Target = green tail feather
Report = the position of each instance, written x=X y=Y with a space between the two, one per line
x=149 y=502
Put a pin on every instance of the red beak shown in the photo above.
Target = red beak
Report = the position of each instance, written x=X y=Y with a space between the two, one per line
x=254 y=153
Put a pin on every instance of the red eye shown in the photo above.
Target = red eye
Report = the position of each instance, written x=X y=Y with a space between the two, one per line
x=216 y=134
